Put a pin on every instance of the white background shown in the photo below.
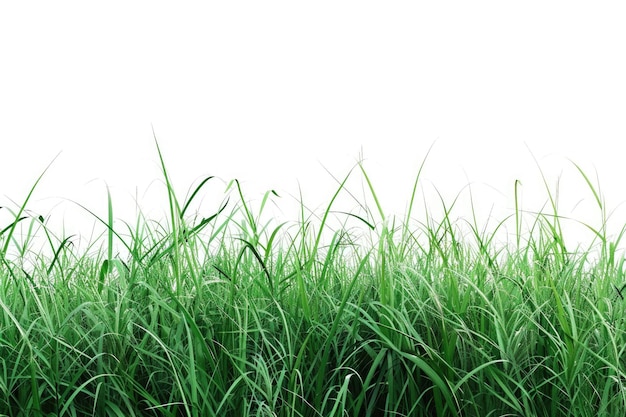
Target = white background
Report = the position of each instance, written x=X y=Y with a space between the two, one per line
x=272 y=92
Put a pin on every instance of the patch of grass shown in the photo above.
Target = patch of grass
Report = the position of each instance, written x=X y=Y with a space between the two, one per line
x=232 y=314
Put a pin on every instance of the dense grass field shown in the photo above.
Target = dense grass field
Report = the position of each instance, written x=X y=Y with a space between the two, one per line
x=336 y=313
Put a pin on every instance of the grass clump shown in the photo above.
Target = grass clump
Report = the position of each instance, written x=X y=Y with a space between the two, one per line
x=233 y=315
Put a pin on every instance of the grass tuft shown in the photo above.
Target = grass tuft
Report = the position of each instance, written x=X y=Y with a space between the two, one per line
x=235 y=313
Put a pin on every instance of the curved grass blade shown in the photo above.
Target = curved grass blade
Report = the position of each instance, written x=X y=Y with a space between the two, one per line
x=21 y=209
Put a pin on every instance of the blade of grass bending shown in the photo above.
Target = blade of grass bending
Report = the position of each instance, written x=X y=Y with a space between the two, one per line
x=109 y=226
x=368 y=224
x=258 y=257
x=484 y=242
x=445 y=227
x=56 y=254
x=178 y=224
x=248 y=213
x=3 y=231
x=266 y=198
x=270 y=241
x=174 y=216
x=371 y=188
x=22 y=246
x=602 y=231
x=188 y=234
x=557 y=231
x=81 y=389
x=193 y=195
x=309 y=262
x=386 y=284
x=21 y=209
x=413 y=192
x=596 y=195
x=11 y=226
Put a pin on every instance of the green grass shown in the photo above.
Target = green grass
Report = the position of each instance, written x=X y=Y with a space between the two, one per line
x=336 y=314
